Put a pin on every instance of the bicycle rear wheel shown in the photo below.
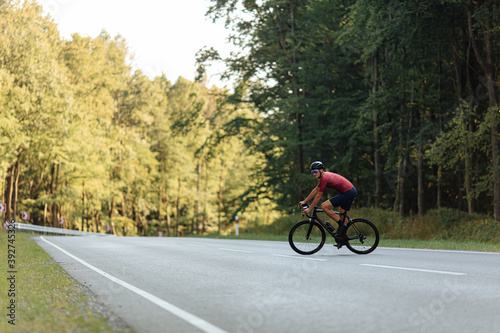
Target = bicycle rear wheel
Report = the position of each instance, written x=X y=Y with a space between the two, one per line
x=307 y=237
x=363 y=236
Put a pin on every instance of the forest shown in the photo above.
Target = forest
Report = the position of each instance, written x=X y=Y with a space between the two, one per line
x=401 y=97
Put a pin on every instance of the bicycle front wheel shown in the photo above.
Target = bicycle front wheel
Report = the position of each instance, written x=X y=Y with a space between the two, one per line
x=307 y=237
x=363 y=236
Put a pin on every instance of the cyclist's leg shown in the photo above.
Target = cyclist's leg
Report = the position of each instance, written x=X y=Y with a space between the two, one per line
x=344 y=200
x=328 y=210
x=343 y=214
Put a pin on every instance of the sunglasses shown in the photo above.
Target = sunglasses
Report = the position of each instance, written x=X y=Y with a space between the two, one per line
x=314 y=172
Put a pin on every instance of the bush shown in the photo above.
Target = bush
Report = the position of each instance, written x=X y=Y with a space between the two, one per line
x=385 y=220
x=481 y=230
x=448 y=217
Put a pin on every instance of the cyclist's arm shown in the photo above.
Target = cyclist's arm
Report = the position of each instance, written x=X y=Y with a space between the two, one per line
x=311 y=195
x=317 y=198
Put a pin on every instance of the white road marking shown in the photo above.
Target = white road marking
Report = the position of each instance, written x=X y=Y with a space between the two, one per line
x=234 y=250
x=188 y=317
x=297 y=257
x=415 y=269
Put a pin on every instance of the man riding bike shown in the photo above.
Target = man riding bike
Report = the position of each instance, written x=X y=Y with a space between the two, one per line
x=347 y=193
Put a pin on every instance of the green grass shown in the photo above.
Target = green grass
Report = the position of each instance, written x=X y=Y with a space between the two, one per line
x=440 y=244
x=47 y=299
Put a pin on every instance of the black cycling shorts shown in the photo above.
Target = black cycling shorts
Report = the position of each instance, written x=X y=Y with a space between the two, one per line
x=345 y=199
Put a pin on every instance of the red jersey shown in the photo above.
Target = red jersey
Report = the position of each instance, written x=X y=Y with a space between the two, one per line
x=335 y=181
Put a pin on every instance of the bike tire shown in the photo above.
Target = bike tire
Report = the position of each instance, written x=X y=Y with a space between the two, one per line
x=363 y=236
x=307 y=237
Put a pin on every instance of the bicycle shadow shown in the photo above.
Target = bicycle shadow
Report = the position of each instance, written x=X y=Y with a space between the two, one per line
x=342 y=253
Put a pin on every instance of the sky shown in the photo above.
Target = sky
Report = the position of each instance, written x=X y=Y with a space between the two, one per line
x=163 y=35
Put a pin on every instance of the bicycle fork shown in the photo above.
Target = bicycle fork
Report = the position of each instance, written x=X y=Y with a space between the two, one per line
x=310 y=229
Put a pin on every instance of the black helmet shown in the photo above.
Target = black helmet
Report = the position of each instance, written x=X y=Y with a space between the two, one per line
x=317 y=165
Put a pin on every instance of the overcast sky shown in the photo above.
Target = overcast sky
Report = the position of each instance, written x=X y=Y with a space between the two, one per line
x=164 y=35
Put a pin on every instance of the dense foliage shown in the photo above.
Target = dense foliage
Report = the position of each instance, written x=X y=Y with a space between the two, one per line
x=399 y=96
x=86 y=139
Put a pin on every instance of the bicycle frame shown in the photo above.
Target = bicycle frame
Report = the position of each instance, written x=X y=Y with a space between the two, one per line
x=308 y=237
x=315 y=217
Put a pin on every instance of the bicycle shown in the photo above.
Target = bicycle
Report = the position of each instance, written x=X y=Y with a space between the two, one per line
x=308 y=236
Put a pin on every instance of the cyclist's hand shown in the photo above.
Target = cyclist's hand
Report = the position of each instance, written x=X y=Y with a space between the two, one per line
x=306 y=211
x=302 y=203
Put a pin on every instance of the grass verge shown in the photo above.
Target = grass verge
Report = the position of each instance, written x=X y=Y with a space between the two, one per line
x=46 y=298
x=439 y=244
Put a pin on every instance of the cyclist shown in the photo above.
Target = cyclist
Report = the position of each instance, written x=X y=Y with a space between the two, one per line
x=347 y=193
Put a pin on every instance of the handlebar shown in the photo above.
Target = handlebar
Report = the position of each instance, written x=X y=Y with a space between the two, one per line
x=319 y=210
x=315 y=210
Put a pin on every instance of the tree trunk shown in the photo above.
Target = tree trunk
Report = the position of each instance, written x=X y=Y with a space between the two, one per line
x=135 y=219
x=196 y=227
x=402 y=167
x=160 y=203
x=496 y=163
x=167 y=200
x=16 y=188
x=45 y=215
x=298 y=114
x=8 y=192
x=177 y=209
x=205 y=215
x=468 y=172
x=405 y=169
x=438 y=191
x=124 y=212
x=289 y=45
x=83 y=204
x=300 y=155
x=459 y=191
x=111 y=211
x=97 y=221
x=221 y=187
x=397 y=199
x=376 y=137
x=55 y=206
x=420 y=187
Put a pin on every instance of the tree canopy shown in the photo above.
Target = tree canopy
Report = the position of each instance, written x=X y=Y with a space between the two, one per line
x=400 y=97
x=87 y=139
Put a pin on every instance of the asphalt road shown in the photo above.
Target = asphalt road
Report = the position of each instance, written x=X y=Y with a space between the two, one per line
x=210 y=285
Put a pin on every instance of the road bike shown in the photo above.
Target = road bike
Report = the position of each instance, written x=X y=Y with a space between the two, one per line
x=308 y=236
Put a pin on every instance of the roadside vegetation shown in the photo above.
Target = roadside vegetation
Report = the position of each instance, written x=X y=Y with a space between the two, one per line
x=47 y=299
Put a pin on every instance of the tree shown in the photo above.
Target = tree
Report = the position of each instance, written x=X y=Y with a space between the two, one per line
x=482 y=17
x=301 y=83
x=33 y=102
